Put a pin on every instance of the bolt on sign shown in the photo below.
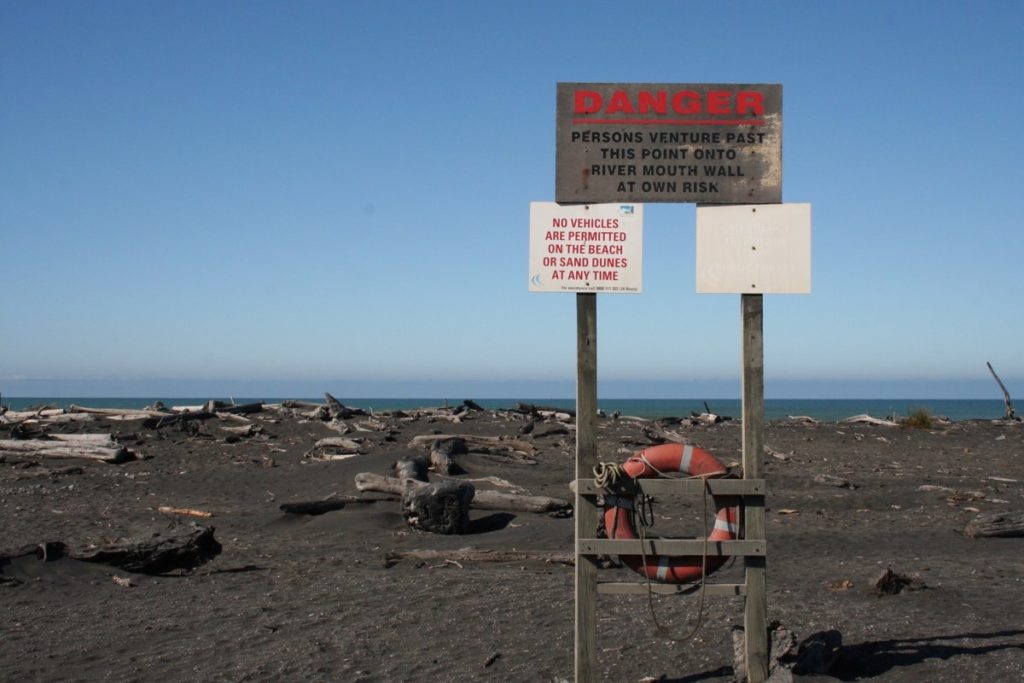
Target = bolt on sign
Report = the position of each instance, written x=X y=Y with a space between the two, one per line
x=663 y=142
x=586 y=247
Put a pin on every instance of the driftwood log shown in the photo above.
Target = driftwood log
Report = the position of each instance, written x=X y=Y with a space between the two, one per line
x=477 y=555
x=173 y=419
x=183 y=547
x=867 y=419
x=531 y=409
x=28 y=417
x=443 y=451
x=488 y=442
x=335 y=409
x=112 y=412
x=313 y=507
x=319 y=507
x=107 y=450
x=187 y=512
x=996 y=524
x=335 y=448
x=482 y=500
x=1009 y=413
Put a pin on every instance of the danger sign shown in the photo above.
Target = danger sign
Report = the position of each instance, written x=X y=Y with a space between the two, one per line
x=665 y=142
x=586 y=247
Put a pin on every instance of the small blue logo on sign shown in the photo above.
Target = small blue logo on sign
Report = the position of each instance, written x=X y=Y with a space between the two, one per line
x=626 y=209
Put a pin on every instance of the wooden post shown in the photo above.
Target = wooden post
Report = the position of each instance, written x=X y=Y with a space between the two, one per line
x=586 y=457
x=755 y=620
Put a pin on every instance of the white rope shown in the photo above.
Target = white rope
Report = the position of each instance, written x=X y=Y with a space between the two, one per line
x=607 y=475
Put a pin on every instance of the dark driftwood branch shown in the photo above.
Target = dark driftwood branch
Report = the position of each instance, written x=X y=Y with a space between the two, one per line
x=330 y=503
x=477 y=555
x=176 y=418
x=1008 y=415
x=471 y=440
x=313 y=507
x=184 y=546
x=483 y=500
x=531 y=409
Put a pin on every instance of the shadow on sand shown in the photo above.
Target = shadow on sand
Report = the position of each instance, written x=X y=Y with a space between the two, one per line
x=873 y=658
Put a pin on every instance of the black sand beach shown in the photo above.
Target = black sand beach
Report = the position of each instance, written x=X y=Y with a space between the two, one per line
x=312 y=597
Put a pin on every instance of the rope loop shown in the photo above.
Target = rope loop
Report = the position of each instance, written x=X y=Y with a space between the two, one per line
x=607 y=475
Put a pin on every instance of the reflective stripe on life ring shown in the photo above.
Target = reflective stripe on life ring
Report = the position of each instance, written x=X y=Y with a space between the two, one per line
x=690 y=460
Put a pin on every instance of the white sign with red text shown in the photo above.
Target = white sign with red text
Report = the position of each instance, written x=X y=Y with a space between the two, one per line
x=586 y=247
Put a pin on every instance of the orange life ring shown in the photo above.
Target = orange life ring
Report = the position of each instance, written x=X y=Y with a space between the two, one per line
x=651 y=462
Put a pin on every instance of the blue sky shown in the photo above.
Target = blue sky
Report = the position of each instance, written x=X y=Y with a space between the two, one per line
x=287 y=197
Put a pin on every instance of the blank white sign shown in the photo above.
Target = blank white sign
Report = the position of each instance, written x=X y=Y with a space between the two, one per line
x=754 y=249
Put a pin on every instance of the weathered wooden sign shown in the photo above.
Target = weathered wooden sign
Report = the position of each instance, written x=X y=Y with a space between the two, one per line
x=659 y=142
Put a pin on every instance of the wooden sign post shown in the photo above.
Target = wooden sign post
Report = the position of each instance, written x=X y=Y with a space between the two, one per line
x=628 y=143
x=755 y=616
x=586 y=459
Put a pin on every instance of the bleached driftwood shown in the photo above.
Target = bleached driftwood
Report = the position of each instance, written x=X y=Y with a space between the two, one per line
x=187 y=512
x=19 y=415
x=237 y=418
x=139 y=412
x=867 y=419
x=249 y=429
x=87 y=439
x=28 y=417
x=335 y=448
x=483 y=500
x=43 y=448
x=496 y=481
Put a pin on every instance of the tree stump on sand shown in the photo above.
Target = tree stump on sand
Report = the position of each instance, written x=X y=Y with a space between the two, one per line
x=441 y=508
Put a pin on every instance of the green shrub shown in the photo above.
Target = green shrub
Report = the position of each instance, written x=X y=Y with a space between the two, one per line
x=920 y=418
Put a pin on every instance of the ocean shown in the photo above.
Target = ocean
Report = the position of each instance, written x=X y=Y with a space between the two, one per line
x=829 y=410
